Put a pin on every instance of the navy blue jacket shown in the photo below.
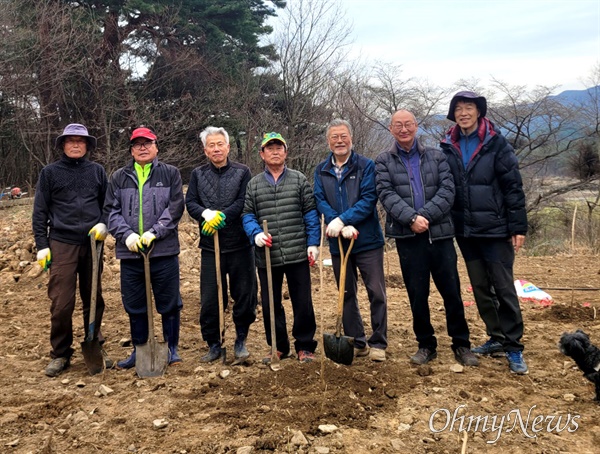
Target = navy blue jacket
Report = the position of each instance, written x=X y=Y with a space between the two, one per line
x=490 y=201
x=222 y=189
x=352 y=198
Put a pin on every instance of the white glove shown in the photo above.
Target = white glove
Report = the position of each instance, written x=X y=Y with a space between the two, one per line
x=349 y=232
x=134 y=242
x=262 y=240
x=147 y=238
x=44 y=258
x=99 y=231
x=313 y=254
x=334 y=228
x=208 y=215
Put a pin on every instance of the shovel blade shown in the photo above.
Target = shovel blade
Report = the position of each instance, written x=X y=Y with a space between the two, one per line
x=151 y=359
x=92 y=355
x=339 y=349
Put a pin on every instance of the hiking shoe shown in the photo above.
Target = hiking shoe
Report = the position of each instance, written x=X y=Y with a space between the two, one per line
x=361 y=352
x=214 y=353
x=423 y=356
x=56 y=366
x=239 y=349
x=108 y=363
x=377 y=354
x=516 y=363
x=127 y=363
x=305 y=356
x=174 y=357
x=490 y=348
x=465 y=357
x=267 y=359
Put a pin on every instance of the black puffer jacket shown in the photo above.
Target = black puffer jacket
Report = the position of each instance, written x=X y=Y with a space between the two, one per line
x=490 y=202
x=222 y=189
x=68 y=201
x=395 y=193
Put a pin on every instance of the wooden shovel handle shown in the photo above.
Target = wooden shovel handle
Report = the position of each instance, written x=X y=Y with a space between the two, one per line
x=342 y=283
x=274 y=357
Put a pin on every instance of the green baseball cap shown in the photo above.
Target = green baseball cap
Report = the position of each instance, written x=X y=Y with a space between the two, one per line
x=270 y=137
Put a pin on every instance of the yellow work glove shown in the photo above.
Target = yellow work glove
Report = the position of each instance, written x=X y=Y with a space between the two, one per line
x=207 y=229
x=99 y=231
x=216 y=219
x=147 y=238
x=44 y=258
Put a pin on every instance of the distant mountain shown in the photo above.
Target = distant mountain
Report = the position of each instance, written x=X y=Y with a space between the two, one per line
x=575 y=97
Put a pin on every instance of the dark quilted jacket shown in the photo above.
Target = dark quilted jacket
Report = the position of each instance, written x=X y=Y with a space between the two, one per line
x=284 y=206
x=490 y=201
x=68 y=201
x=222 y=189
x=395 y=193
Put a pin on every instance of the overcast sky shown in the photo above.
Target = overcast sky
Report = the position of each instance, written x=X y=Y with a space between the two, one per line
x=530 y=42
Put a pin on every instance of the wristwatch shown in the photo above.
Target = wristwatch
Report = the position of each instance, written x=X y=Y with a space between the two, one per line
x=413 y=219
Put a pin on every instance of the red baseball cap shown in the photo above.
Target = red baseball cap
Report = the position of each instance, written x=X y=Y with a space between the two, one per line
x=142 y=132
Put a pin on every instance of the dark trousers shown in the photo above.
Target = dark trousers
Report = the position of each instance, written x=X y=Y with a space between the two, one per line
x=305 y=326
x=421 y=259
x=70 y=261
x=164 y=278
x=490 y=265
x=370 y=265
x=239 y=265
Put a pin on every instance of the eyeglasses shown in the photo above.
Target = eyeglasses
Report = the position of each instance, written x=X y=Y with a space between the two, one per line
x=139 y=145
x=400 y=126
x=337 y=137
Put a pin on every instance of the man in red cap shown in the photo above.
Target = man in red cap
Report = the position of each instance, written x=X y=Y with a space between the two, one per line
x=145 y=203
x=67 y=209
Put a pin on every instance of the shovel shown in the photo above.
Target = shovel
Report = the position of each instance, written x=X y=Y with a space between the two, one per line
x=90 y=347
x=338 y=348
x=152 y=358
x=220 y=297
x=274 y=358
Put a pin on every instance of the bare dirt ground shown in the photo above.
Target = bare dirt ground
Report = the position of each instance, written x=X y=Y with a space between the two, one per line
x=376 y=407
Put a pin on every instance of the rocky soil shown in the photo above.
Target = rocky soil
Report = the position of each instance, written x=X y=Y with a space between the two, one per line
x=305 y=408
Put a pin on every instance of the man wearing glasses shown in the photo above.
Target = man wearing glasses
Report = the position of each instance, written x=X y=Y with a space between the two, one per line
x=285 y=199
x=415 y=186
x=345 y=194
x=145 y=203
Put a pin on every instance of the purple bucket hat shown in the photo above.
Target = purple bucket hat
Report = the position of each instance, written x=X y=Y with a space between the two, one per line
x=75 y=129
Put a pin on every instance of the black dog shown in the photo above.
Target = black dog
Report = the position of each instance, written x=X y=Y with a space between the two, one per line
x=577 y=345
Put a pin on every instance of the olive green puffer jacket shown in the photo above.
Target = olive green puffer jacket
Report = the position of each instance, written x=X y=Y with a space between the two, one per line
x=284 y=206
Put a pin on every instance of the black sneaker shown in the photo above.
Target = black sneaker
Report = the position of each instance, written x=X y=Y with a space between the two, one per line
x=465 y=357
x=423 y=356
x=56 y=366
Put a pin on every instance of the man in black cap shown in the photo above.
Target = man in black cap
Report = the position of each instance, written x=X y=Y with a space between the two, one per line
x=490 y=221
x=145 y=203
x=67 y=209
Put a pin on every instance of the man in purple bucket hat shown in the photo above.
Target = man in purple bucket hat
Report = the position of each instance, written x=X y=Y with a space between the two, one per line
x=67 y=209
